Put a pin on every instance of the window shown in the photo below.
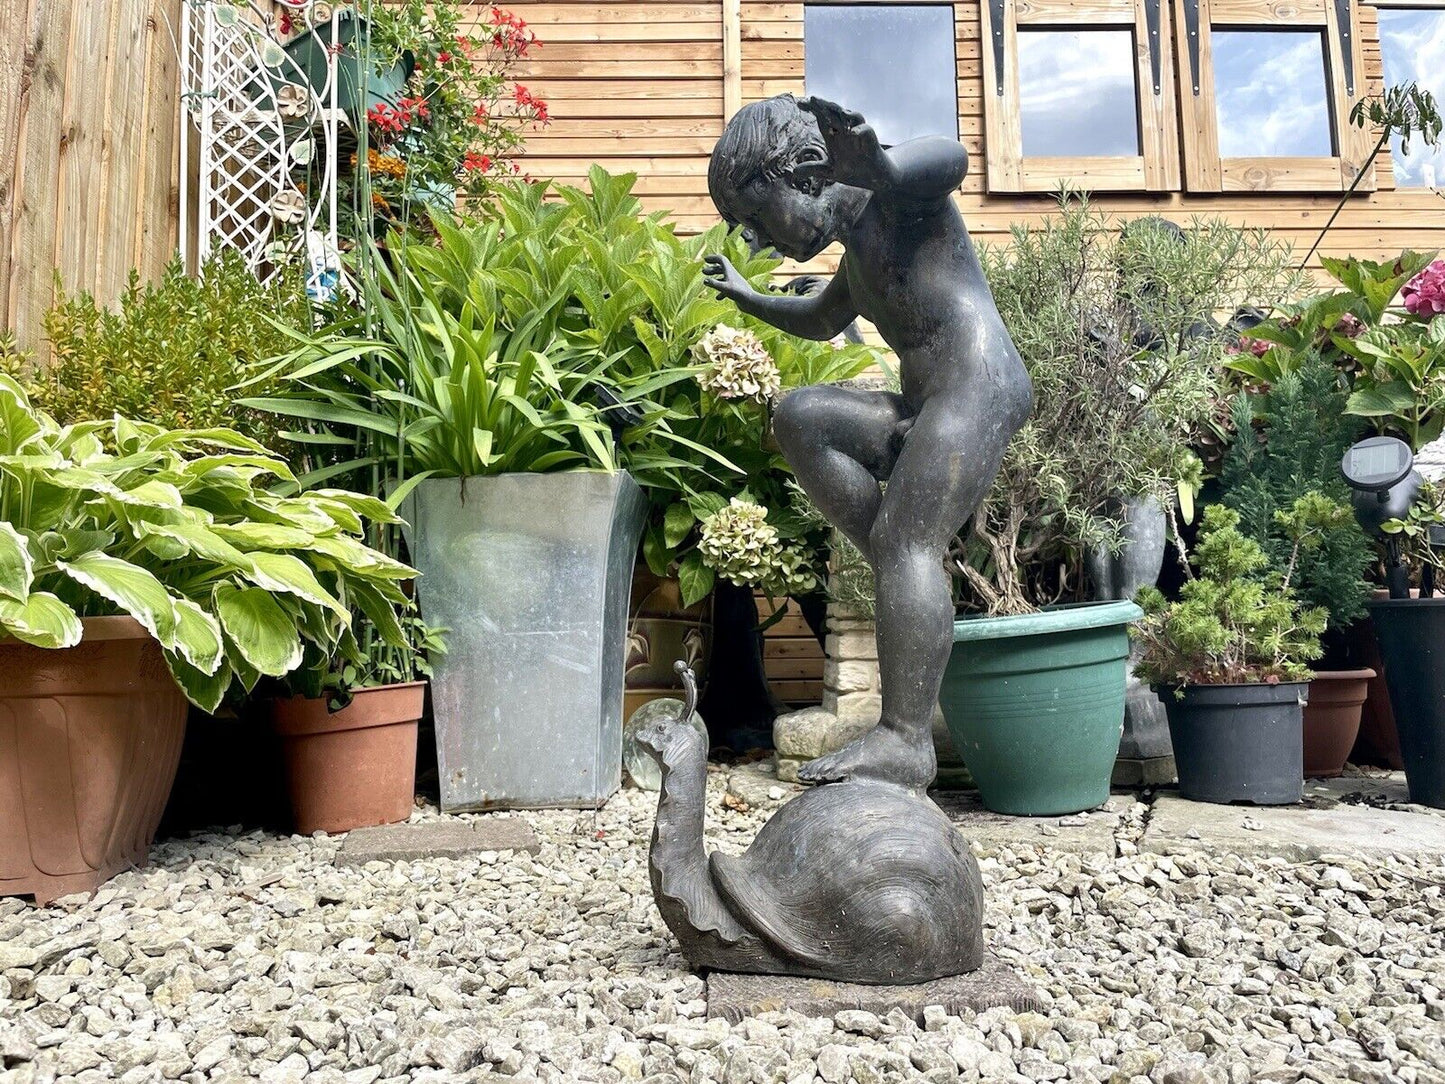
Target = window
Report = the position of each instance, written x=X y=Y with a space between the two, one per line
x=1266 y=92
x=1412 y=42
x=1079 y=93
x=893 y=63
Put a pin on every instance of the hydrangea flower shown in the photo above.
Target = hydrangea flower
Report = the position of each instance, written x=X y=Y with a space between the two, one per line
x=738 y=365
x=741 y=546
x=1424 y=295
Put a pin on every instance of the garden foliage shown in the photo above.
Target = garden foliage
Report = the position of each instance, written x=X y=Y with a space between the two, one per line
x=177 y=529
x=1381 y=332
x=1117 y=331
x=168 y=352
x=1238 y=621
x=1288 y=443
x=560 y=333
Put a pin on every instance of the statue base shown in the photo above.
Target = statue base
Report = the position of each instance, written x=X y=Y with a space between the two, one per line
x=734 y=997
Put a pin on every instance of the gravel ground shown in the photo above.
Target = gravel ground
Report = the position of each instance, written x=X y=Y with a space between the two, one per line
x=255 y=957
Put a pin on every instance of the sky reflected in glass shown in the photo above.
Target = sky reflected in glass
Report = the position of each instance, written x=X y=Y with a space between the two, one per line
x=1413 y=43
x=1077 y=93
x=894 y=63
x=1270 y=89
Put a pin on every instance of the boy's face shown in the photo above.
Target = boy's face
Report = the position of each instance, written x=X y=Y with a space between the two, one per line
x=797 y=219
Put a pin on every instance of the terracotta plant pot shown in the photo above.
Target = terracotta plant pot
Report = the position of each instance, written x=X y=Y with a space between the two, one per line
x=355 y=767
x=89 y=741
x=1332 y=719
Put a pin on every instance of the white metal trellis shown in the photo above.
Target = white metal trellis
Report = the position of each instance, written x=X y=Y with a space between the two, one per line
x=267 y=138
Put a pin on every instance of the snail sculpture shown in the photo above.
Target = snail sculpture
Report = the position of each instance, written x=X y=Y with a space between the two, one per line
x=859 y=881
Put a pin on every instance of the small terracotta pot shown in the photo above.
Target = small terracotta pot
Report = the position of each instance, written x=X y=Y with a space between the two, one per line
x=1332 y=719
x=355 y=767
x=89 y=741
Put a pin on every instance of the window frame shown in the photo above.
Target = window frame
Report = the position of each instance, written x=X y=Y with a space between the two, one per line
x=1204 y=168
x=1399 y=5
x=1154 y=169
x=953 y=18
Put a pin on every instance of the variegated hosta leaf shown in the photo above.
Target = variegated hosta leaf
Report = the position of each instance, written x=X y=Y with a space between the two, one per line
x=41 y=619
x=198 y=636
x=203 y=690
x=283 y=572
x=17 y=570
x=136 y=591
x=258 y=628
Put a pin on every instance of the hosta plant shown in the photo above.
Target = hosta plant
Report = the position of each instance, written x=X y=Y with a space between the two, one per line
x=177 y=529
x=1238 y=621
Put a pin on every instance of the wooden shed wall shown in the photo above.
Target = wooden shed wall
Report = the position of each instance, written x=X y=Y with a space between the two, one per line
x=88 y=123
x=638 y=84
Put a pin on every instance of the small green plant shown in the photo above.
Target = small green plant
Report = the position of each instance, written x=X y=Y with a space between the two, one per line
x=1237 y=622
x=1416 y=538
x=169 y=351
x=1288 y=443
x=379 y=660
x=177 y=529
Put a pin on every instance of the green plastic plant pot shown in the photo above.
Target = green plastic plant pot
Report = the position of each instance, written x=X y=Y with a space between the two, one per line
x=356 y=90
x=1035 y=704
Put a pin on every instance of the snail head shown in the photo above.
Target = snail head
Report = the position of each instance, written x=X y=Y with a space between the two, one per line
x=662 y=733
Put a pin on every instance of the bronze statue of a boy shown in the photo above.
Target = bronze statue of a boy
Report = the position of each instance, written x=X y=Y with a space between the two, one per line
x=801 y=174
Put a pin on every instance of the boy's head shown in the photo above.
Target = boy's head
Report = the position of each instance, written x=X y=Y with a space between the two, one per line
x=752 y=182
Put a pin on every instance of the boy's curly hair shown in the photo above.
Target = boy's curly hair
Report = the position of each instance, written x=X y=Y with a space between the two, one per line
x=763 y=140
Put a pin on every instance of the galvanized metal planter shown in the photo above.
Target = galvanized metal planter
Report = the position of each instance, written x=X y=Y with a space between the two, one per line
x=531 y=573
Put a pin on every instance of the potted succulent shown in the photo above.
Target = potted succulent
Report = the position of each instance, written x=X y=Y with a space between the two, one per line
x=348 y=731
x=1114 y=330
x=1288 y=442
x=141 y=567
x=1228 y=658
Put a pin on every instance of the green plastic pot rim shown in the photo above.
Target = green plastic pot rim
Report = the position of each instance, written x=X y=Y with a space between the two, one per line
x=1074 y=618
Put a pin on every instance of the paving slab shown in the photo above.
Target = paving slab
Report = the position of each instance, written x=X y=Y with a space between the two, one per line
x=436 y=839
x=1077 y=832
x=1298 y=832
x=734 y=997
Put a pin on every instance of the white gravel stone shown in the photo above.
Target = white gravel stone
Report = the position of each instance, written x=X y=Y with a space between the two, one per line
x=245 y=957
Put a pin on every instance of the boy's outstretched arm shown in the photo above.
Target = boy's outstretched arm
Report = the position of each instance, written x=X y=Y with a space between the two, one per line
x=925 y=168
x=818 y=316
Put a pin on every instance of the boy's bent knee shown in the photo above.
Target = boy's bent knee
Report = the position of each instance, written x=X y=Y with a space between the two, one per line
x=799 y=416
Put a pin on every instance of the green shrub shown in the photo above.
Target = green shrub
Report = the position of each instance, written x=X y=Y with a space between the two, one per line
x=1238 y=622
x=170 y=351
x=1289 y=442
x=1116 y=330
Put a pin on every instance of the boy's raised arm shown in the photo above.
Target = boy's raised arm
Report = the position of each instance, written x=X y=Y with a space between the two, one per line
x=818 y=316
x=925 y=168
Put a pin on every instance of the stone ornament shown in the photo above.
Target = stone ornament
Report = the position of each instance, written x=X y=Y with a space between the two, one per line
x=864 y=880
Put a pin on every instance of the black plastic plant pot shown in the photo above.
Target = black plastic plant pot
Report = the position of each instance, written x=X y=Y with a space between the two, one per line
x=1411 y=632
x=1238 y=743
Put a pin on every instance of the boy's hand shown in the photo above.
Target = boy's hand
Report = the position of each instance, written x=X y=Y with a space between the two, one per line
x=719 y=273
x=854 y=154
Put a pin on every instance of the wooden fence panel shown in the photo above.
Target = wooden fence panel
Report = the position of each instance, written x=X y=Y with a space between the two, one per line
x=88 y=125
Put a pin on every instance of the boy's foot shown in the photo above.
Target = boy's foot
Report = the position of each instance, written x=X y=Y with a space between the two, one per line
x=893 y=756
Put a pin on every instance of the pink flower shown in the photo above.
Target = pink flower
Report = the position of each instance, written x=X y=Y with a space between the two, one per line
x=1424 y=295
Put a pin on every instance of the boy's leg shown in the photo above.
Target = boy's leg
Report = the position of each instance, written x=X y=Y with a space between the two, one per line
x=840 y=442
x=947 y=464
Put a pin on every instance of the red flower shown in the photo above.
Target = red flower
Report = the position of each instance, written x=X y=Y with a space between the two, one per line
x=476 y=162
x=444 y=57
x=284 y=22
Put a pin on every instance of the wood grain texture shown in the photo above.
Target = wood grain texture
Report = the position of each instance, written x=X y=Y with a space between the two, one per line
x=88 y=129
